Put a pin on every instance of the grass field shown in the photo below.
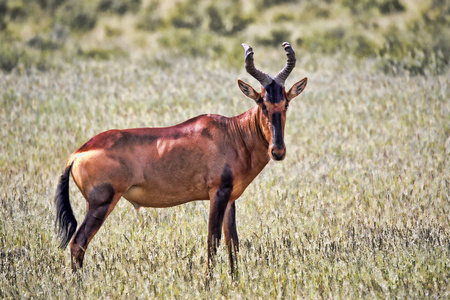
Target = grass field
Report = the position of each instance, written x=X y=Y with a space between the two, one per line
x=360 y=208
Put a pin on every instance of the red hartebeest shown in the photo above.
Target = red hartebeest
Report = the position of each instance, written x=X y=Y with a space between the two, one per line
x=209 y=157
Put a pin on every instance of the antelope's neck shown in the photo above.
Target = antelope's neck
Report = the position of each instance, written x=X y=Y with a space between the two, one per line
x=249 y=127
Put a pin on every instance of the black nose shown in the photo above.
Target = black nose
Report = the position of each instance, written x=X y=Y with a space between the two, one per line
x=278 y=156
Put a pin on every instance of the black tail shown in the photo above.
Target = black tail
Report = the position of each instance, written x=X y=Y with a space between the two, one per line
x=65 y=223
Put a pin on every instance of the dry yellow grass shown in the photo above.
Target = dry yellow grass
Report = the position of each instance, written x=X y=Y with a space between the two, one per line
x=360 y=207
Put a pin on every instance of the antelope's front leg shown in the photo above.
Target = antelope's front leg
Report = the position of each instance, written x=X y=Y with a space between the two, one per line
x=231 y=237
x=218 y=204
x=216 y=212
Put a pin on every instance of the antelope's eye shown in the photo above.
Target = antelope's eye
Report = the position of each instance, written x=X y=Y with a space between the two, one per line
x=286 y=106
x=264 y=108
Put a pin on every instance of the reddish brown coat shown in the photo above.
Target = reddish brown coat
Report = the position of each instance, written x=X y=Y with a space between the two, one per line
x=209 y=157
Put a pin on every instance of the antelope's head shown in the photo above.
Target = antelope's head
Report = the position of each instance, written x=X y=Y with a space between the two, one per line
x=273 y=101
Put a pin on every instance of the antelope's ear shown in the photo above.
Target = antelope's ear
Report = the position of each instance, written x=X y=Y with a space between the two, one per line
x=248 y=90
x=296 y=89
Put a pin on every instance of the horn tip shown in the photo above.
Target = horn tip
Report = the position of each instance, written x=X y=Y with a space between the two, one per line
x=248 y=49
x=288 y=48
x=286 y=45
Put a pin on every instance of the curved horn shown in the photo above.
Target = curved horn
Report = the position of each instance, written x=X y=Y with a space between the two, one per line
x=280 y=78
x=262 y=77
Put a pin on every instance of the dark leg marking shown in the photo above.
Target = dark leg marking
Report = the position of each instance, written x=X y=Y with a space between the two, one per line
x=231 y=237
x=100 y=199
x=217 y=211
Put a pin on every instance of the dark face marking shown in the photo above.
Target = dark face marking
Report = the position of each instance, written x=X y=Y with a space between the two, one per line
x=277 y=133
x=277 y=148
x=274 y=93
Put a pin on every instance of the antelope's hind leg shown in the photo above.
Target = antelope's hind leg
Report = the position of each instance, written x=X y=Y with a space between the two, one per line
x=101 y=201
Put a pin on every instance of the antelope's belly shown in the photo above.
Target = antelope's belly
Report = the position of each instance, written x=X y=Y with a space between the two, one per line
x=167 y=193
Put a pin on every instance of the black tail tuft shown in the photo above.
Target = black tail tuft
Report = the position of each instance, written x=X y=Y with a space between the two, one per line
x=65 y=223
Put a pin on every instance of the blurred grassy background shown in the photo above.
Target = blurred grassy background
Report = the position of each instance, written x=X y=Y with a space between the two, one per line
x=359 y=209
x=400 y=36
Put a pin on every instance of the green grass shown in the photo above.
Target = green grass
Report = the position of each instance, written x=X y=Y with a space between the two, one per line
x=401 y=37
x=359 y=208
